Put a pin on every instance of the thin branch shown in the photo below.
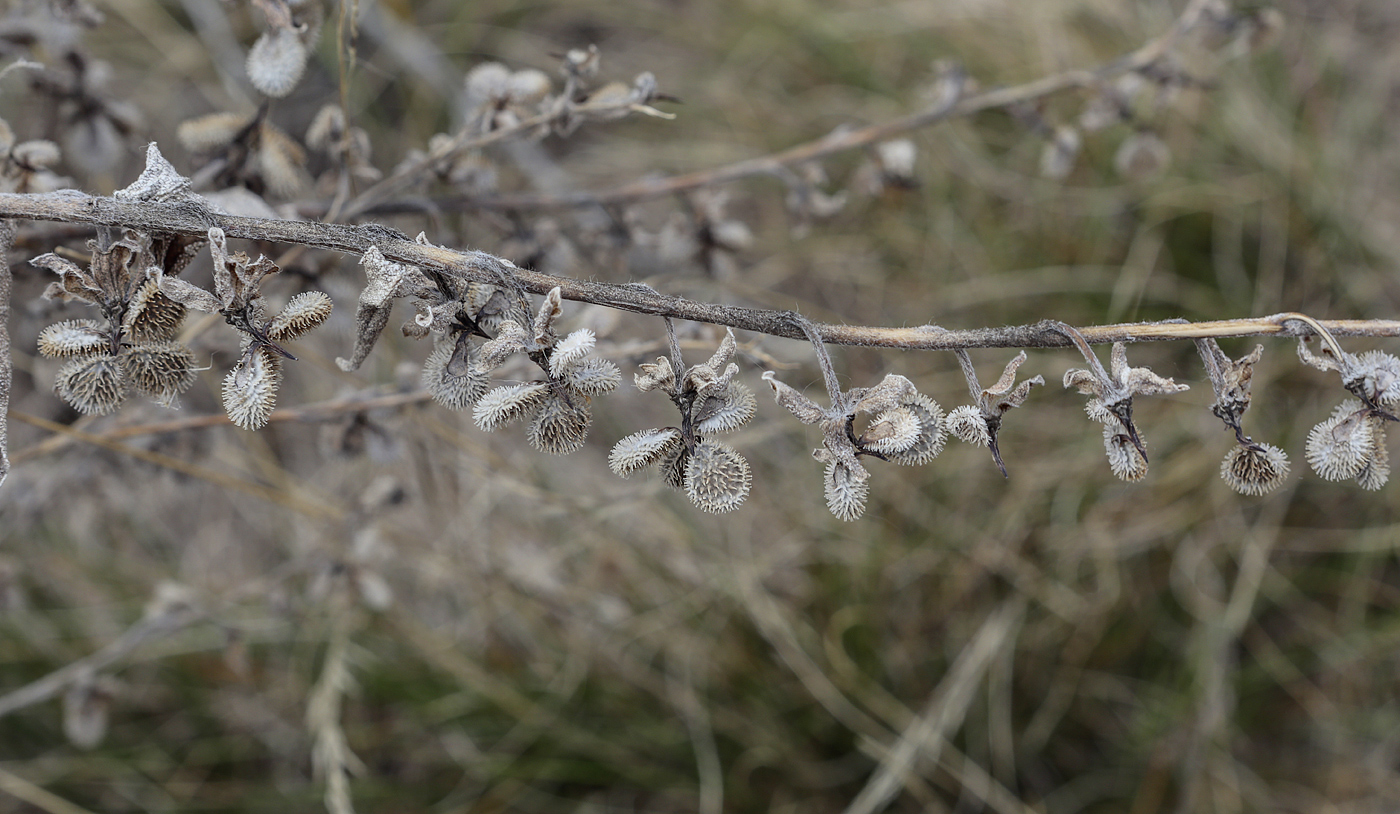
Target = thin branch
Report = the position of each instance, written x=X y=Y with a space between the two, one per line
x=952 y=106
x=7 y=236
x=76 y=207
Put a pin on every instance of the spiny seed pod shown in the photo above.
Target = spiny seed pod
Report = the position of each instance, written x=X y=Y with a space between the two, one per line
x=73 y=337
x=561 y=425
x=455 y=392
x=731 y=409
x=642 y=449
x=1254 y=470
x=570 y=351
x=504 y=405
x=592 y=377
x=931 y=438
x=250 y=389
x=276 y=61
x=1339 y=448
x=847 y=487
x=717 y=478
x=208 y=133
x=673 y=465
x=151 y=316
x=892 y=431
x=1377 y=469
x=966 y=423
x=161 y=370
x=1123 y=456
x=304 y=312
x=95 y=385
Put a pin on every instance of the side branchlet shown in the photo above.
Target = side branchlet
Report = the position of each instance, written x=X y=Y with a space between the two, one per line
x=980 y=422
x=714 y=475
x=1110 y=402
x=906 y=427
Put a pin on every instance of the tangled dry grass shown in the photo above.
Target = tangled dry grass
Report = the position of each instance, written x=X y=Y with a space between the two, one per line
x=371 y=604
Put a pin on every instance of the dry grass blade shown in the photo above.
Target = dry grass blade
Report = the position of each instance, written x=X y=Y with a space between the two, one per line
x=944 y=713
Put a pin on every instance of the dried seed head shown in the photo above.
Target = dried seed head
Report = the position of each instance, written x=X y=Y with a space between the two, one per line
x=486 y=82
x=1340 y=447
x=570 y=351
x=1095 y=409
x=73 y=337
x=592 y=377
x=717 y=478
x=276 y=61
x=673 y=466
x=303 y=313
x=1124 y=458
x=250 y=389
x=1377 y=374
x=892 y=431
x=452 y=390
x=327 y=128
x=528 y=86
x=642 y=449
x=561 y=425
x=161 y=370
x=508 y=403
x=86 y=705
x=1254 y=470
x=931 y=433
x=655 y=375
x=726 y=411
x=281 y=162
x=151 y=316
x=1377 y=470
x=847 y=487
x=208 y=133
x=95 y=385
x=967 y=424
x=1058 y=157
x=36 y=154
x=1142 y=155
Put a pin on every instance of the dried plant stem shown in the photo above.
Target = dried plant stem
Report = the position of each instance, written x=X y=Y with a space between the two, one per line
x=37 y=796
x=953 y=106
x=286 y=495
x=56 y=682
x=330 y=755
x=190 y=219
x=7 y=236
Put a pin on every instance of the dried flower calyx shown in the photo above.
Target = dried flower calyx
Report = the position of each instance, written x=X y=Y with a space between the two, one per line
x=980 y=422
x=906 y=428
x=133 y=345
x=250 y=388
x=1351 y=442
x=559 y=406
x=1250 y=468
x=1111 y=401
x=711 y=401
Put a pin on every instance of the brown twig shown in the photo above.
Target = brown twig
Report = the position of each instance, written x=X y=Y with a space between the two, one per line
x=7 y=236
x=953 y=106
x=184 y=218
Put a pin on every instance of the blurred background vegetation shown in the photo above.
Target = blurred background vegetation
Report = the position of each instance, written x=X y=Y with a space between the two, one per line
x=521 y=632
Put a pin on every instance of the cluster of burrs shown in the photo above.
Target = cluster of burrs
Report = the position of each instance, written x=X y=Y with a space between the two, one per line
x=1110 y=402
x=906 y=427
x=1251 y=468
x=711 y=402
x=1351 y=442
x=558 y=407
x=133 y=345
x=250 y=388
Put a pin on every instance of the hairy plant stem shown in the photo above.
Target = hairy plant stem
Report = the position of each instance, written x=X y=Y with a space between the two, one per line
x=7 y=237
x=70 y=206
